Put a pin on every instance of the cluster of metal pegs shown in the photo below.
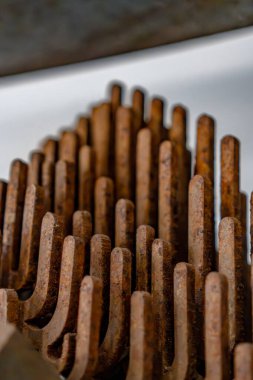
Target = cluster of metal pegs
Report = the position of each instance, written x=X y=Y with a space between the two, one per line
x=110 y=264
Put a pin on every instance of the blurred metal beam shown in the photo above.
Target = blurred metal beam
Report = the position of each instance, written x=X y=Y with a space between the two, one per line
x=36 y=35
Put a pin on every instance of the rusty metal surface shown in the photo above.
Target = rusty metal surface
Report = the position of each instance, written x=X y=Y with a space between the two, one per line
x=120 y=299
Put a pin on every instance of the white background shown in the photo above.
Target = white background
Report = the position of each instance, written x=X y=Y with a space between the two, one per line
x=212 y=75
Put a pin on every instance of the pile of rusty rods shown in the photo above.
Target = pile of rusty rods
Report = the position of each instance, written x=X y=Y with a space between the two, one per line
x=108 y=255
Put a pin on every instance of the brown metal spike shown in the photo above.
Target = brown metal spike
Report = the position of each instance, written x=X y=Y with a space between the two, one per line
x=68 y=146
x=124 y=153
x=35 y=168
x=124 y=224
x=64 y=200
x=82 y=130
x=138 y=99
x=88 y=326
x=178 y=134
x=34 y=210
x=102 y=139
x=230 y=180
x=104 y=207
x=64 y=318
x=204 y=165
x=13 y=219
x=205 y=161
x=116 y=97
x=145 y=209
x=243 y=362
x=216 y=327
x=231 y=264
x=185 y=360
x=141 y=337
x=145 y=236
x=9 y=307
x=48 y=178
x=167 y=200
x=243 y=220
x=82 y=228
x=50 y=149
x=162 y=293
x=100 y=253
x=3 y=192
x=200 y=243
x=86 y=178
x=116 y=340
x=38 y=309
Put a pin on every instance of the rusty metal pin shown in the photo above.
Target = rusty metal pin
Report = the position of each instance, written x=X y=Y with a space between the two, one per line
x=86 y=178
x=243 y=361
x=184 y=364
x=100 y=253
x=13 y=219
x=88 y=325
x=64 y=318
x=116 y=97
x=144 y=187
x=243 y=219
x=68 y=146
x=216 y=327
x=138 y=99
x=3 y=192
x=178 y=136
x=117 y=335
x=124 y=153
x=50 y=149
x=104 y=207
x=230 y=177
x=102 y=138
x=9 y=307
x=141 y=337
x=124 y=224
x=34 y=211
x=145 y=236
x=200 y=243
x=82 y=228
x=82 y=130
x=38 y=309
x=64 y=200
x=162 y=293
x=35 y=168
x=167 y=200
x=231 y=264
x=48 y=178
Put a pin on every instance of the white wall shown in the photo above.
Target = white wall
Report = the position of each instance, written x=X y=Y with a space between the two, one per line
x=212 y=75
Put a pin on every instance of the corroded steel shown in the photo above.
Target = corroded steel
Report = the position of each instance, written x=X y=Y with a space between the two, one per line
x=86 y=178
x=138 y=98
x=243 y=362
x=104 y=207
x=145 y=236
x=35 y=168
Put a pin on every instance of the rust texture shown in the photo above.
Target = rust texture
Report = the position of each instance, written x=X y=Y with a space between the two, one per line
x=64 y=194
x=145 y=236
x=231 y=264
x=200 y=239
x=104 y=206
x=101 y=139
x=230 y=179
x=216 y=327
x=162 y=293
x=138 y=99
x=167 y=208
x=124 y=153
x=86 y=179
x=145 y=209
x=13 y=219
x=178 y=136
x=50 y=149
x=141 y=337
x=108 y=262
x=82 y=130
x=243 y=362
x=35 y=168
